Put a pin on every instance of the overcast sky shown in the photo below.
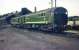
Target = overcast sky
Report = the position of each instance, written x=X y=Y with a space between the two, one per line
x=7 y=6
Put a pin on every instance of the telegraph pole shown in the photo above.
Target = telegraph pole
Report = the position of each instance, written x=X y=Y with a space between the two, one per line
x=51 y=3
x=55 y=3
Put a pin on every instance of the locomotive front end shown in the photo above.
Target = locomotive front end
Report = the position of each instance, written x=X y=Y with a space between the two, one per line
x=60 y=19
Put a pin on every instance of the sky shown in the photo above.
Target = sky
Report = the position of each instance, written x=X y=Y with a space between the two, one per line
x=7 y=6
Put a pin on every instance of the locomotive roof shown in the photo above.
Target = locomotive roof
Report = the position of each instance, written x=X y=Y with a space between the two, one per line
x=57 y=9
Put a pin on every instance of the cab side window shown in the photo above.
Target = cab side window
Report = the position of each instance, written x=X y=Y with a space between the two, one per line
x=42 y=14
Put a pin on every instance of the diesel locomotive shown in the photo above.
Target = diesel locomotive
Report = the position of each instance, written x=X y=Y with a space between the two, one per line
x=51 y=19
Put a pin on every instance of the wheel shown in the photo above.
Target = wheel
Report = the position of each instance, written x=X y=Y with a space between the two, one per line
x=58 y=30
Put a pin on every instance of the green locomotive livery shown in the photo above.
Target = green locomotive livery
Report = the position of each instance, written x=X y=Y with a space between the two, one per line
x=41 y=17
x=48 y=19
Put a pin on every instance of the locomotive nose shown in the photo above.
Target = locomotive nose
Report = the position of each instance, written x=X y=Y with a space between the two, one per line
x=60 y=16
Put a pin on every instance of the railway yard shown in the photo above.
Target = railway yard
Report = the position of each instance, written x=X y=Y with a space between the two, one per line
x=23 y=39
x=52 y=28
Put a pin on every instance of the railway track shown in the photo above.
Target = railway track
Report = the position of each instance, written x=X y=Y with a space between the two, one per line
x=68 y=33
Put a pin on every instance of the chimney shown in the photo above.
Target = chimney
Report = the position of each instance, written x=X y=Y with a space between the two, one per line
x=35 y=9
